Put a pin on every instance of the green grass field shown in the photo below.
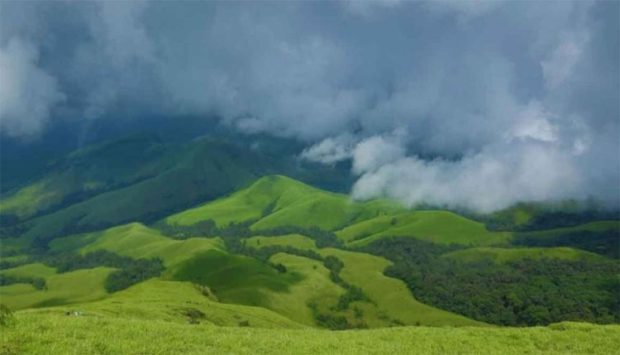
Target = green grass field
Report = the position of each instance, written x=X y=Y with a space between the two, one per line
x=138 y=241
x=502 y=255
x=52 y=332
x=71 y=287
x=441 y=227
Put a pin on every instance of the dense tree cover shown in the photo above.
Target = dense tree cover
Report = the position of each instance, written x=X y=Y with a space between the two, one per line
x=605 y=243
x=131 y=271
x=524 y=292
x=36 y=282
x=8 y=264
x=558 y=219
x=543 y=219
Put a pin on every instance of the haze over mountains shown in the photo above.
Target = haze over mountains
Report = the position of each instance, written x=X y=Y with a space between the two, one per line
x=477 y=105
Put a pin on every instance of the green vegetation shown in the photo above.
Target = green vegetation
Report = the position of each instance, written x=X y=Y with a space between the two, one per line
x=277 y=201
x=54 y=332
x=137 y=178
x=435 y=226
x=508 y=292
x=503 y=255
x=234 y=279
x=598 y=237
x=282 y=254
x=297 y=241
x=70 y=287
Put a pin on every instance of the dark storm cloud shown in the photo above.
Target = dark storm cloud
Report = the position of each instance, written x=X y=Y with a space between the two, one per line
x=517 y=100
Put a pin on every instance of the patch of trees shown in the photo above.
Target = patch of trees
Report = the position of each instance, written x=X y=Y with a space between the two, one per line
x=559 y=219
x=547 y=220
x=130 y=271
x=208 y=228
x=518 y=293
x=36 y=282
x=334 y=321
x=140 y=270
x=606 y=243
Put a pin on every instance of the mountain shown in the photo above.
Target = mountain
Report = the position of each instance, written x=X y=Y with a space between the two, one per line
x=304 y=255
x=142 y=178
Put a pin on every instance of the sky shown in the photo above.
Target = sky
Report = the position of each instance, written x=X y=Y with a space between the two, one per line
x=459 y=104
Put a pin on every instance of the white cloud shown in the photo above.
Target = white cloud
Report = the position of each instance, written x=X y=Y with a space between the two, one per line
x=493 y=179
x=535 y=123
x=375 y=152
x=27 y=93
x=330 y=150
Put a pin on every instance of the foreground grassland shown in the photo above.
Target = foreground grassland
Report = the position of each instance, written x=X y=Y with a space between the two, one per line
x=40 y=332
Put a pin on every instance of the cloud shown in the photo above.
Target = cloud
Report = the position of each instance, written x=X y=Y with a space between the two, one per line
x=27 y=93
x=330 y=150
x=559 y=65
x=492 y=179
x=375 y=152
x=474 y=88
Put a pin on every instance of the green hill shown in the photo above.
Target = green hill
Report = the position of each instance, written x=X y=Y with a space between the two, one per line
x=442 y=227
x=276 y=201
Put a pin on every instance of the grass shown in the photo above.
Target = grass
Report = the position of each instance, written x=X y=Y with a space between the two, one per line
x=55 y=333
x=33 y=270
x=234 y=278
x=138 y=241
x=393 y=302
x=71 y=287
x=275 y=201
x=503 y=255
x=157 y=300
x=441 y=227
x=28 y=200
x=315 y=286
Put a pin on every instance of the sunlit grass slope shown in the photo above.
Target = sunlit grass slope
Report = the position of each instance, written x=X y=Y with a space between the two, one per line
x=138 y=241
x=55 y=333
x=391 y=301
x=71 y=287
x=442 y=227
x=172 y=301
x=315 y=286
x=33 y=270
x=275 y=201
x=502 y=255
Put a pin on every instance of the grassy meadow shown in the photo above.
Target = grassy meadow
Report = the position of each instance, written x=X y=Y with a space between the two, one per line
x=52 y=332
